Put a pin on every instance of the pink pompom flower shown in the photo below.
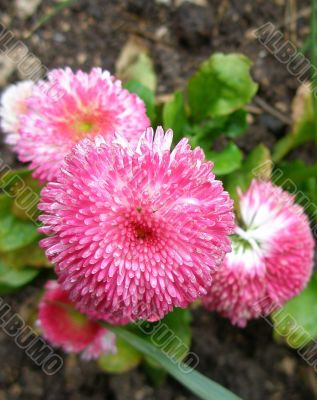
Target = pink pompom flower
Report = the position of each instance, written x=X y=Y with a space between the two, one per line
x=13 y=107
x=63 y=326
x=136 y=232
x=88 y=104
x=272 y=256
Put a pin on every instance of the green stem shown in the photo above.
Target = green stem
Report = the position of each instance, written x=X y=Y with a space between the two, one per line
x=200 y=385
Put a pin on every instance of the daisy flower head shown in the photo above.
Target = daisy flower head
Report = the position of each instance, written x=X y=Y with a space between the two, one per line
x=13 y=107
x=135 y=231
x=89 y=104
x=271 y=260
x=64 y=327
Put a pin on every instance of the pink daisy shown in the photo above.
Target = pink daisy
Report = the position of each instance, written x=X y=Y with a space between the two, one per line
x=88 y=105
x=64 y=327
x=13 y=107
x=136 y=231
x=272 y=256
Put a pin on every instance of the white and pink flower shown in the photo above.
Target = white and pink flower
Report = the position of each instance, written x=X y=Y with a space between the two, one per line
x=89 y=104
x=13 y=107
x=272 y=256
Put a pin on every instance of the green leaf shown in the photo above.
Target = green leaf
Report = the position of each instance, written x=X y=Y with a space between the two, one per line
x=145 y=94
x=14 y=232
x=24 y=190
x=296 y=322
x=178 y=323
x=236 y=124
x=226 y=161
x=174 y=116
x=302 y=129
x=11 y=279
x=142 y=70
x=296 y=171
x=126 y=358
x=171 y=334
x=28 y=256
x=231 y=125
x=157 y=375
x=222 y=85
x=198 y=384
x=257 y=165
x=135 y=64
x=9 y=178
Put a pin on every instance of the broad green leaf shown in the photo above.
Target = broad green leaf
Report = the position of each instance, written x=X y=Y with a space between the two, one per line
x=174 y=116
x=302 y=129
x=135 y=64
x=231 y=125
x=11 y=279
x=9 y=178
x=28 y=256
x=236 y=124
x=257 y=165
x=126 y=358
x=203 y=387
x=14 y=232
x=145 y=94
x=24 y=192
x=296 y=171
x=222 y=85
x=226 y=161
x=296 y=322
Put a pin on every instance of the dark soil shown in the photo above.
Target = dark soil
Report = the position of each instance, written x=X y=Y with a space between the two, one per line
x=91 y=33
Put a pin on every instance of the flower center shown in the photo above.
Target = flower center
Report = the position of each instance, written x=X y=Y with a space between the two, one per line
x=82 y=127
x=142 y=232
x=243 y=240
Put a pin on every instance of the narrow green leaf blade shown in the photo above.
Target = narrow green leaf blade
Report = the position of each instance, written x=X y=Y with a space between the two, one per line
x=201 y=386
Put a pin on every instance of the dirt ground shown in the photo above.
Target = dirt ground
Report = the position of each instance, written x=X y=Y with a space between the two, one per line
x=91 y=33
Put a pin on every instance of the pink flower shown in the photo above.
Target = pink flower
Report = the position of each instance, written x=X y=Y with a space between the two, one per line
x=71 y=106
x=13 y=107
x=136 y=231
x=272 y=256
x=64 y=327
